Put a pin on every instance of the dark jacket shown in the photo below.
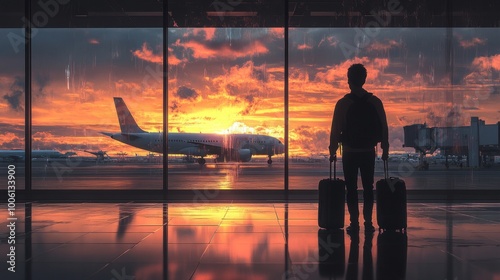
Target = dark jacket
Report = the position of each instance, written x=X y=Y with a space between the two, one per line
x=339 y=121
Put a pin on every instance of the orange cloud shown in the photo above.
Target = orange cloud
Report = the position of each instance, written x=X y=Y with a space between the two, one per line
x=147 y=54
x=380 y=46
x=471 y=43
x=299 y=80
x=207 y=32
x=6 y=139
x=304 y=47
x=204 y=51
x=172 y=59
x=243 y=98
x=277 y=32
x=486 y=63
x=338 y=73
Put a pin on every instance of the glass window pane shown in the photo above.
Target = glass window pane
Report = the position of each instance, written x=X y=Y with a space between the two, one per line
x=83 y=82
x=226 y=95
x=406 y=70
x=439 y=80
x=12 y=95
x=226 y=108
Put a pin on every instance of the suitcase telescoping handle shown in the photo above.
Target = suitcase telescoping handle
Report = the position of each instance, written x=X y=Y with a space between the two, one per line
x=334 y=169
x=386 y=169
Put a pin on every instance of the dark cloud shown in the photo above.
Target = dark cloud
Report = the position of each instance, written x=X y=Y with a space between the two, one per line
x=232 y=89
x=174 y=107
x=241 y=42
x=42 y=79
x=14 y=98
x=251 y=105
x=311 y=139
x=103 y=64
x=260 y=74
x=446 y=117
x=184 y=92
x=433 y=119
x=10 y=128
x=249 y=98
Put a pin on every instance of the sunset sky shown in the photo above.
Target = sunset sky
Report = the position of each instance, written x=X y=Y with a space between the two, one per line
x=227 y=80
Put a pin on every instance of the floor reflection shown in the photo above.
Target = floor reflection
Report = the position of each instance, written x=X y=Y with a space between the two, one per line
x=391 y=255
x=246 y=241
x=331 y=257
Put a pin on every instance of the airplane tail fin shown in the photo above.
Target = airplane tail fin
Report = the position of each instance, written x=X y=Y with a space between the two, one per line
x=127 y=122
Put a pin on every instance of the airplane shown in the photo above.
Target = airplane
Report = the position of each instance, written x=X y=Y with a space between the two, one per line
x=240 y=147
x=16 y=155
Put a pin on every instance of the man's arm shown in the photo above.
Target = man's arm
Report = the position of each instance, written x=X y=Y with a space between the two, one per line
x=335 y=130
x=385 y=128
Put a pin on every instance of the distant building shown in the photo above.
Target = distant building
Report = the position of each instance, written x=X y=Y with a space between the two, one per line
x=477 y=141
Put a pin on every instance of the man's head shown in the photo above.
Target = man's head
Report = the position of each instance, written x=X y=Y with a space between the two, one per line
x=356 y=75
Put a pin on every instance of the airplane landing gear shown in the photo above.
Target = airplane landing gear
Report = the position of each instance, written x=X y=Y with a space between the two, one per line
x=202 y=161
x=269 y=161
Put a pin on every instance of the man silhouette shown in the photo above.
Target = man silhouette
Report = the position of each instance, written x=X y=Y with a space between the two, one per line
x=359 y=123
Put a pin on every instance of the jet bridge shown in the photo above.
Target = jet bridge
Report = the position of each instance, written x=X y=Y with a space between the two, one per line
x=478 y=141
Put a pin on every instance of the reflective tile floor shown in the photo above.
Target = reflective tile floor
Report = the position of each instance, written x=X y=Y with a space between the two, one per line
x=242 y=241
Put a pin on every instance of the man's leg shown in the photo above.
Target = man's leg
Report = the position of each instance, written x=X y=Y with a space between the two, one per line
x=350 y=168
x=367 y=170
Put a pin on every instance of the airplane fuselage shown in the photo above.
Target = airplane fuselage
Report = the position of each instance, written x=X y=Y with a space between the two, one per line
x=203 y=144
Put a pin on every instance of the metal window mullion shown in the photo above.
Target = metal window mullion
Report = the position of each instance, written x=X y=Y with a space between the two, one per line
x=27 y=101
x=165 y=99
x=286 y=18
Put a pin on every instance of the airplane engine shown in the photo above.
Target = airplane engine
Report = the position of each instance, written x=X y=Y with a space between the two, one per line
x=245 y=155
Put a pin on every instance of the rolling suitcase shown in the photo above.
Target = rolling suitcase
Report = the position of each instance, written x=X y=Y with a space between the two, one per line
x=331 y=201
x=391 y=202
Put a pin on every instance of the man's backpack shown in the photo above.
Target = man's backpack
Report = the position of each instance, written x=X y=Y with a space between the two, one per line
x=363 y=126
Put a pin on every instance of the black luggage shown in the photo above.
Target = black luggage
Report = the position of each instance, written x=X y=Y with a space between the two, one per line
x=331 y=201
x=391 y=202
x=392 y=250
